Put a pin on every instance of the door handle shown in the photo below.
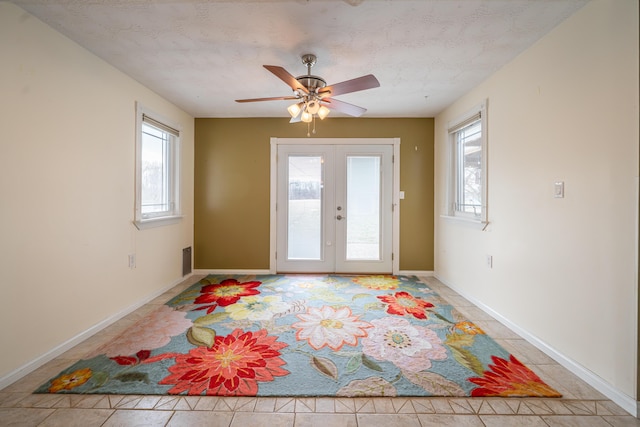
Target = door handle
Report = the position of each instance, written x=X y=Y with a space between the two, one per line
x=339 y=217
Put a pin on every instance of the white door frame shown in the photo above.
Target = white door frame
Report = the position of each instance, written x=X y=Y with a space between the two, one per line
x=273 y=196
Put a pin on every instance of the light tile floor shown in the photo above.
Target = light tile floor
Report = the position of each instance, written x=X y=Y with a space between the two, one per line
x=581 y=405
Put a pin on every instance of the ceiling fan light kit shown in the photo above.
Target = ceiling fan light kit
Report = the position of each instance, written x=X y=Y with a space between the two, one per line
x=323 y=112
x=294 y=109
x=312 y=95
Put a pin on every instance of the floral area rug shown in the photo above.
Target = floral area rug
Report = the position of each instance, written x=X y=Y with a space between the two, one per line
x=292 y=335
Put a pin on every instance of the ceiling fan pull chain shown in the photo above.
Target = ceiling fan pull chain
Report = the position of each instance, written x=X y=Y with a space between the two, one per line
x=308 y=126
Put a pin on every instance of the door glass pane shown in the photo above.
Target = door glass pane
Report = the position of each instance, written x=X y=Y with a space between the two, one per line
x=305 y=208
x=363 y=208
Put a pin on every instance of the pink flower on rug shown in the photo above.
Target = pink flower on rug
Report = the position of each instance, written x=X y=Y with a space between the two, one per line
x=409 y=347
x=510 y=378
x=232 y=366
x=329 y=327
x=402 y=303
x=150 y=332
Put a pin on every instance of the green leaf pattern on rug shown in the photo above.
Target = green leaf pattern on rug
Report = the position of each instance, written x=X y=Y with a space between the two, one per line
x=369 y=363
x=132 y=376
x=374 y=386
x=325 y=366
x=357 y=296
x=434 y=383
x=200 y=336
x=99 y=378
x=354 y=363
x=210 y=319
x=466 y=358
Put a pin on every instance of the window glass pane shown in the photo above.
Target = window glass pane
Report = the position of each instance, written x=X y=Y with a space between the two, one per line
x=155 y=171
x=304 y=236
x=469 y=169
x=363 y=208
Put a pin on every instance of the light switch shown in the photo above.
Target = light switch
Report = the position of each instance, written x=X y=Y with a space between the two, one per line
x=558 y=189
x=402 y=195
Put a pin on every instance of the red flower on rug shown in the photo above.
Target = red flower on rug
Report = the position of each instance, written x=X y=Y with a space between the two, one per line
x=225 y=293
x=140 y=357
x=511 y=379
x=233 y=365
x=402 y=303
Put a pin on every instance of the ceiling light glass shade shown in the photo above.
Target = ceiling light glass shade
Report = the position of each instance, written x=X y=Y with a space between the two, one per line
x=313 y=106
x=294 y=109
x=306 y=117
x=323 y=112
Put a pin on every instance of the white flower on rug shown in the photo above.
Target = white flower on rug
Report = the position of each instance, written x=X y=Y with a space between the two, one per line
x=257 y=308
x=150 y=332
x=411 y=348
x=329 y=327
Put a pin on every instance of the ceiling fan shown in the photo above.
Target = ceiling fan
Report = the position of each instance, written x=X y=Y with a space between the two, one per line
x=312 y=94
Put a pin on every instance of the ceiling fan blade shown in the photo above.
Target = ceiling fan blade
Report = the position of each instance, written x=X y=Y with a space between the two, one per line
x=344 y=107
x=361 y=83
x=275 y=98
x=284 y=75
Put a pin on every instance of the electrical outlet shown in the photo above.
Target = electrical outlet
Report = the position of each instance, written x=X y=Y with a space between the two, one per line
x=490 y=261
x=132 y=260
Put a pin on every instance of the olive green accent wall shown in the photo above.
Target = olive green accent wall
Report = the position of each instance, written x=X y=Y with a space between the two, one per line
x=232 y=161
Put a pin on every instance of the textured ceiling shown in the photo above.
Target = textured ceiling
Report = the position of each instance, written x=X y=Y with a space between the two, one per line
x=204 y=54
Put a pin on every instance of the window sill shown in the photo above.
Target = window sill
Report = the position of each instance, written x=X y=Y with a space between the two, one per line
x=468 y=222
x=157 y=222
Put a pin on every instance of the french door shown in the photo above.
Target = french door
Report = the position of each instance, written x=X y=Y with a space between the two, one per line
x=334 y=210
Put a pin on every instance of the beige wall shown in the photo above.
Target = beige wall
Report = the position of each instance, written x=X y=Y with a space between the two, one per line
x=564 y=269
x=232 y=186
x=67 y=188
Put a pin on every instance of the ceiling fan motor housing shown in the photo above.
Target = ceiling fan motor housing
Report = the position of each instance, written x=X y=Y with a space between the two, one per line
x=312 y=83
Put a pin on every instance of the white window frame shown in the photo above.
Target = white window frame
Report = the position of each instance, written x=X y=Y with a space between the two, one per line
x=173 y=214
x=478 y=113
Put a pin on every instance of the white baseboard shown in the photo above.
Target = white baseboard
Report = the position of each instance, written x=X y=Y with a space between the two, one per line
x=626 y=402
x=228 y=271
x=31 y=366
x=421 y=273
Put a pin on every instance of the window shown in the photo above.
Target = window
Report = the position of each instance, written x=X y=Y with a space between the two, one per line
x=157 y=171
x=468 y=152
